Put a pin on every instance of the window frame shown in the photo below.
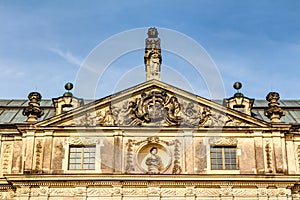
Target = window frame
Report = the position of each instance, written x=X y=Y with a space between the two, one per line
x=223 y=158
x=82 y=158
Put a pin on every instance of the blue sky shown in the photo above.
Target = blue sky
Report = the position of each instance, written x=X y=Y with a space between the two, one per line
x=44 y=43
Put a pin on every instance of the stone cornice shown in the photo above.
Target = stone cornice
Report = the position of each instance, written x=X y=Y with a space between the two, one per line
x=146 y=180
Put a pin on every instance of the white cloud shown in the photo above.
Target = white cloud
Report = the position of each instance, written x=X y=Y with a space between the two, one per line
x=67 y=56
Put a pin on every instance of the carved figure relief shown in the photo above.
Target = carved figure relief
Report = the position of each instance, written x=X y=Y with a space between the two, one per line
x=88 y=119
x=102 y=117
x=106 y=118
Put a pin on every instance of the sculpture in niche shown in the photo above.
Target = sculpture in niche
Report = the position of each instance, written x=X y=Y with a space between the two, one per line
x=155 y=147
x=154 y=162
x=155 y=108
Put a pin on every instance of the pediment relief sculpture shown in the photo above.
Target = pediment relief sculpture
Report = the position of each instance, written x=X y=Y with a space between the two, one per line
x=156 y=108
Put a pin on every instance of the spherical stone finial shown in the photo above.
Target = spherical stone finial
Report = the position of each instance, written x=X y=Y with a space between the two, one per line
x=237 y=85
x=69 y=86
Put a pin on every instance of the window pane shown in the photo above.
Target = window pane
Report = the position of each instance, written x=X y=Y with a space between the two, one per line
x=71 y=166
x=92 y=166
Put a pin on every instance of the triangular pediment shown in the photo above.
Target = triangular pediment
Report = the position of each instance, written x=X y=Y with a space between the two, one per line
x=154 y=104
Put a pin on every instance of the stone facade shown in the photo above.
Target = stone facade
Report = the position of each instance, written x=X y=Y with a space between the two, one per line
x=150 y=142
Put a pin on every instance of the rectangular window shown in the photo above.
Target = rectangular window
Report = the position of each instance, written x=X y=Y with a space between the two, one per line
x=223 y=158
x=82 y=157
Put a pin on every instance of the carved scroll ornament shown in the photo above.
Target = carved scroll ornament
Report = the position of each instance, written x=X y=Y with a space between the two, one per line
x=224 y=141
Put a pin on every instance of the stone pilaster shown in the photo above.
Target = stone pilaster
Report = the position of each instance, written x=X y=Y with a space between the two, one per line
x=118 y=151
x=259 y=152
x=58 y=154
x=277 y=146
x=188 y=151
x=291 y=157
x=48 y=141
x=28 y=150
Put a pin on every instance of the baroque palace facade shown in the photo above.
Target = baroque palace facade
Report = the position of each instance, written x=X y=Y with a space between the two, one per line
x=150 y=142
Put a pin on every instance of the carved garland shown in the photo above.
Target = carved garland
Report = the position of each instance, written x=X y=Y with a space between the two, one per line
x=7 y=153
x=268 y=150
x=129 y=166
x=298 y=154
x=38 y=154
